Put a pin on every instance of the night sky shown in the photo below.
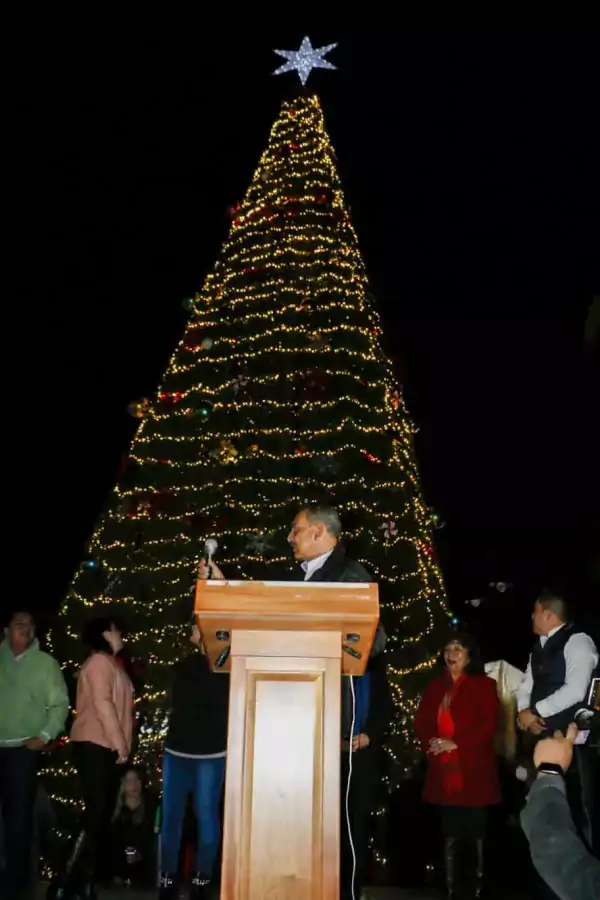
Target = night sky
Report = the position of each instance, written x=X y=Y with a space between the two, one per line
x=470 y=163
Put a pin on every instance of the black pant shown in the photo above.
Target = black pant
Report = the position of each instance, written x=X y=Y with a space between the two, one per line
x=18 y=787
x=99 y=776
x=364 y=786
x=579 y=781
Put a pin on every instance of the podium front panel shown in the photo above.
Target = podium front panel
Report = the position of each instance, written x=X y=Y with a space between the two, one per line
x=287 y=644
x=282 y=803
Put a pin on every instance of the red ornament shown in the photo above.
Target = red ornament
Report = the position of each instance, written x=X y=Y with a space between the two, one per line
x=168 y=399
x=370 y=456
x=194 y=342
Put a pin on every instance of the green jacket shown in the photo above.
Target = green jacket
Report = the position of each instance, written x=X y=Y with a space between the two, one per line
x=33 y=696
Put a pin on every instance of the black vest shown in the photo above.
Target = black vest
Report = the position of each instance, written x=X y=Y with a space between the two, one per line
x=549 y=669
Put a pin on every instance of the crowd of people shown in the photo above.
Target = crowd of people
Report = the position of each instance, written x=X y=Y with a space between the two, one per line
x=456 y=723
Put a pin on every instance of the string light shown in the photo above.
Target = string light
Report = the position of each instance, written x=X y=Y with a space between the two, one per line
x=278 y=394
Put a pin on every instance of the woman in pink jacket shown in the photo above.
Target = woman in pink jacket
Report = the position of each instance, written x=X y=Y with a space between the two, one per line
x=101 y=741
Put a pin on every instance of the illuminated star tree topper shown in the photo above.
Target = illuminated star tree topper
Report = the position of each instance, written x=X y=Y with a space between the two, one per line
x=305 y=59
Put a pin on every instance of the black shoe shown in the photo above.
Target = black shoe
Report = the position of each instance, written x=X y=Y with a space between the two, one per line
x=168 y=887
x=57 y=890
x=199 y=888
x=86 y=888
x=76 y=887
x=479 y=868
x=63 y=886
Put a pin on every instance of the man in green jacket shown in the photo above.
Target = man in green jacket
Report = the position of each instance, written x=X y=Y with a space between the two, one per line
x=33 y=707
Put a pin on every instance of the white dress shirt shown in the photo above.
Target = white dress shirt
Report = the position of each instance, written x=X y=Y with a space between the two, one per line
x=310 y=566
x=581 y=658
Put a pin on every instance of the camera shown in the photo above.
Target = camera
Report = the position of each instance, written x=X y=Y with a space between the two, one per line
x=588 y=719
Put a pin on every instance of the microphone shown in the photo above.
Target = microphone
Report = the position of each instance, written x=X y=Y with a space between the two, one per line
x=210 y=548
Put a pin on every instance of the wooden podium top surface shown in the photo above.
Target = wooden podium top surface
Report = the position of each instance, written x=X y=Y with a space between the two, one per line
x=225 y=607
x=288 y=599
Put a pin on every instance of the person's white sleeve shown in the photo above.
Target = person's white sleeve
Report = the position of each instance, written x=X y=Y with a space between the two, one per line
x=581 y=658
x=525 y=688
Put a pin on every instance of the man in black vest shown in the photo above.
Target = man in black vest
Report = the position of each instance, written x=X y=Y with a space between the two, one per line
x=315 y=540
x=555 y=687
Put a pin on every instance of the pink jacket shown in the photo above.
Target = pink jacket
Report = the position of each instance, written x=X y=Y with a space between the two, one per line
x=104 y=704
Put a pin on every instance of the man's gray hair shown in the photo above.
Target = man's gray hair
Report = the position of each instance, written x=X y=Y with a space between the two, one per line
x=326 y=515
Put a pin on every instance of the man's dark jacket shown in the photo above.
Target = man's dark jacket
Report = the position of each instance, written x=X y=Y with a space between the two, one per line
x=339 y=567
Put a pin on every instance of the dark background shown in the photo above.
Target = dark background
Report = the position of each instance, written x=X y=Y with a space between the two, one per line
x=470 y=162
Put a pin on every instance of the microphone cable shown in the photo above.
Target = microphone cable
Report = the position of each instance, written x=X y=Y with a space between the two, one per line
x=350 y=751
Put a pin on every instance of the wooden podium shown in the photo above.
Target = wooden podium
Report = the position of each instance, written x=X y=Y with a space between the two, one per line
x=286 y=645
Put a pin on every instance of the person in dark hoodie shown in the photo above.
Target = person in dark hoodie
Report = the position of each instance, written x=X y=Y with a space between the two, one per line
x=194 y=762
x=315 y=538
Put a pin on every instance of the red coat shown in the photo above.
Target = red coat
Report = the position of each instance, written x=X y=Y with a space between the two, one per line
x=475 y=711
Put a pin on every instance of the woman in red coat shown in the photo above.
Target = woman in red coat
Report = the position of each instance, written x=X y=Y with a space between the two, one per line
x=456 y=723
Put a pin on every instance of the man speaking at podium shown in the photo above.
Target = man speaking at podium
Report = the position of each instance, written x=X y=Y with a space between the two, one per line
x=315 y=540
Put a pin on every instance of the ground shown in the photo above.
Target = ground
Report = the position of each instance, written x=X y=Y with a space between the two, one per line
x=369 y=894
x=374 y=894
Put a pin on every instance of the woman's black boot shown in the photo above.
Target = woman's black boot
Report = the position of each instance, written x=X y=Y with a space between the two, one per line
x=84 y=887
x=451 y=867
x=63 y=886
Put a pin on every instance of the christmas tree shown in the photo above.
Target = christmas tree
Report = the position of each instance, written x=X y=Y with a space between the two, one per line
x=278 y=395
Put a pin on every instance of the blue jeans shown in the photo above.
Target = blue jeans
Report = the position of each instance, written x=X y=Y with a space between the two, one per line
x=204 y=779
